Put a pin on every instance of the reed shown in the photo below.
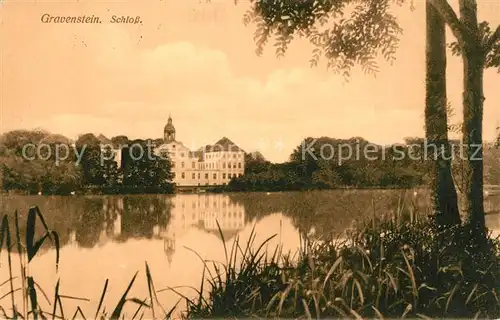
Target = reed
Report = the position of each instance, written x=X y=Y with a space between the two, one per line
x=395 y=268
x=391 y=268
x=25 y=294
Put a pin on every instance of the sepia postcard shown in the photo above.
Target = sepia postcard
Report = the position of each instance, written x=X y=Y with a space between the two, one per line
x=297 y=159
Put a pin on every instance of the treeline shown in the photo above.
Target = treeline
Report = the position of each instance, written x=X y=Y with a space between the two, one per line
x=38 y=161
x=322 y=163
x=326 y=163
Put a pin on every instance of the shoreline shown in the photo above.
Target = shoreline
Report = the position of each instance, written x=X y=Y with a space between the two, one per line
x=215 y=190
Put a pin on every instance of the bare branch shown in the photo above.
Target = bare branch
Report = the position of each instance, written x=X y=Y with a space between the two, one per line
x=459 y=30
x=492 y=40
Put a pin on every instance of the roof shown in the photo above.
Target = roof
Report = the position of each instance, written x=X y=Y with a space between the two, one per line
x=169 y=126
x=197 y=154
x=223 y=144
x=103 y=139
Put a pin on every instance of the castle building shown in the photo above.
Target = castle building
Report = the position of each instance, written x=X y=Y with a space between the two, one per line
x=211 y=165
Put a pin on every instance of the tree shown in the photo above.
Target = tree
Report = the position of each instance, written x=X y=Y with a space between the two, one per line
x=443 y=192
x=37 y=169
x=255 y=162
x=120 y=141
x=368 y=31
x=90 y=149
x=326 y=176
x=110 y=167
x=145 y=169
x=479 y=48
x=159 y=142
x=15 y=140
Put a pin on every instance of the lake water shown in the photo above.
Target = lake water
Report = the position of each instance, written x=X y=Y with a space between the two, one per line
x=111 y=237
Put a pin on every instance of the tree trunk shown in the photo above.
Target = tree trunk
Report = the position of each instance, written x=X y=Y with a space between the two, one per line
x=442 y=188
x=473 y=100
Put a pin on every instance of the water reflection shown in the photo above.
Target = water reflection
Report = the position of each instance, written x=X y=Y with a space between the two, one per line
x=93 y=221
x=111 y=237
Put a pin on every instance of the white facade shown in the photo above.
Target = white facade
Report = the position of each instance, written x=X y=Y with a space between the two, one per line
x=212 y=165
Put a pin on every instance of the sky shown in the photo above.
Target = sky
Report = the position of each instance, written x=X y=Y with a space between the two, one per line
x=196 y=61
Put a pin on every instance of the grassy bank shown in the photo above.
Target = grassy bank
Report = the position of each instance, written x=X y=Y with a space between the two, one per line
x=383 y=269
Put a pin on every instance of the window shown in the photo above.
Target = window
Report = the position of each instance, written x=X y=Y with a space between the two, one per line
x=229 y=176
x=223 y=176
x=206 y=175
x=240 y=175
x=198 y=175
x=173 y=164
x=239 y=165
x=173 y=175
x=194 y=176
x=234 y=165
x=194 y=165
x=223 y=165
x=183 y=175
x=182 y=164
x=234 y=155
x=215 y=175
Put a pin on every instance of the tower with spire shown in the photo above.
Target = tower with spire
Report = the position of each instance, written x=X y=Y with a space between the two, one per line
x=169 y=131
x=210 y=165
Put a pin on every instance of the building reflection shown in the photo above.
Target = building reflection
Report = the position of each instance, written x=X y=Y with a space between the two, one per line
x=205 y=211
x=118 y=219
x=202 y=211
x=89 y=221
x=168 y=236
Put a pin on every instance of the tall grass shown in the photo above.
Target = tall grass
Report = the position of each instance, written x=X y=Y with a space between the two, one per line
x=399 y=267
x=391 y=268
x=25 y=294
